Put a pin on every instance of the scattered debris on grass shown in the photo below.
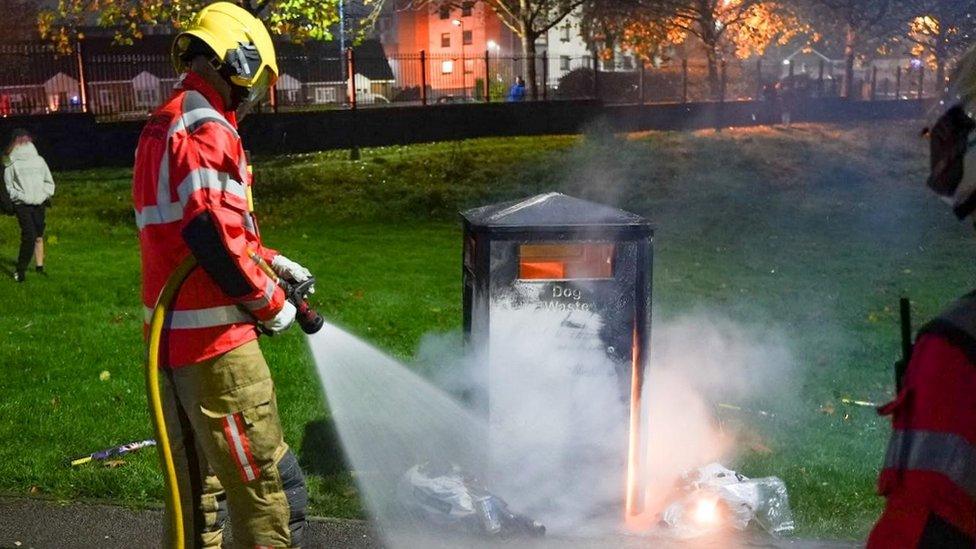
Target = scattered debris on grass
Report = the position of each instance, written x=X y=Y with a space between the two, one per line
x=114 y=452
x=763 y=413
x=862 y=403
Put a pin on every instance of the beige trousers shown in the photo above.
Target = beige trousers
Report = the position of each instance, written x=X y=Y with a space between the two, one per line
x=230 y=454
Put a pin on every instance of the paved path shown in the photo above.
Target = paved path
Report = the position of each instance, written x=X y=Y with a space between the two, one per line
x=43 y=524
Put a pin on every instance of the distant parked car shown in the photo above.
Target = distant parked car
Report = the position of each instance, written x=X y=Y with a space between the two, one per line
x=364 y=96
x=454 y=99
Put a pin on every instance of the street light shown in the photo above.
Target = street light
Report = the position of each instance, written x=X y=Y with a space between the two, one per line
x=464 y=80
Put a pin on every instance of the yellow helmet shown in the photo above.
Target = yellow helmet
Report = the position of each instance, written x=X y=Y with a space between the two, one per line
x=240 y=41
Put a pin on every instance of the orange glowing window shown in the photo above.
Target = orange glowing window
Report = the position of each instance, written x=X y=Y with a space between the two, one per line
x=566 y=261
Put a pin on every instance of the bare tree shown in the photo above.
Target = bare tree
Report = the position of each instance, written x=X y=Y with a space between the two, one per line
x=865 y=25
x=941 y=30
x=722 y=27
x=17 y=23
x=298 y=19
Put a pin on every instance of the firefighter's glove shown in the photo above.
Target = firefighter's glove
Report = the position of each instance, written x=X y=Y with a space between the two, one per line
x=291 y=271
x=282 y=321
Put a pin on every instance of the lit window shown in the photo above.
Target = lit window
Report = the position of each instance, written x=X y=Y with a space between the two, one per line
x=467 y=37
x=325 y=95
x=147 y=97
x=447 y=67
x=446 y=40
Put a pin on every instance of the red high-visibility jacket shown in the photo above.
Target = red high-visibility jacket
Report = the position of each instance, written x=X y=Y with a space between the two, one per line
x=929 y=474
x=190 y=189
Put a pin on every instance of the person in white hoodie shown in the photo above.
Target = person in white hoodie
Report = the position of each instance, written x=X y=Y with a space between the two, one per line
x=30 y=186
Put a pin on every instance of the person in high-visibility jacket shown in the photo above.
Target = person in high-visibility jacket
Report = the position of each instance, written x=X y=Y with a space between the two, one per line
x=929 y=472
x=192 y=195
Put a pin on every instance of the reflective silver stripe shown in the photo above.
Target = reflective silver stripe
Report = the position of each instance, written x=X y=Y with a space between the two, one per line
x=263 y=301
x=208 y=178
x=197 y=117
x=237 y=446
x=249 y=225
x=203 y=318
x=945 y=453
x=201 y=178
x=156 y=215
x=197 y=111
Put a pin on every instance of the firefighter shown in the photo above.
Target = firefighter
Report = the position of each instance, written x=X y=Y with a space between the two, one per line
x=929 y=473
x=192 y=195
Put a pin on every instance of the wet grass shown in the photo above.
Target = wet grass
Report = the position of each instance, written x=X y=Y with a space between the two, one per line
x=816 y=230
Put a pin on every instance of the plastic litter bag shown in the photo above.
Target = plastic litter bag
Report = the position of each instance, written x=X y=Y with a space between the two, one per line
x=712 y=498
x=443 y=496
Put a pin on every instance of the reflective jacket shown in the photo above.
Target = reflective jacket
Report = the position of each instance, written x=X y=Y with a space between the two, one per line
x=929 y=473
x=191 y=192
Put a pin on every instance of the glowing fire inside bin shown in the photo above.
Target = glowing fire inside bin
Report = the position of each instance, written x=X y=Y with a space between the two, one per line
x=577 y=274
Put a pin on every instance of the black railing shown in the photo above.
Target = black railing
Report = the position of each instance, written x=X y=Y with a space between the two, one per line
x=35 y=79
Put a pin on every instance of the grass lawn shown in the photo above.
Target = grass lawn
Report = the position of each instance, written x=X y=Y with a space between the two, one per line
x=815 y=230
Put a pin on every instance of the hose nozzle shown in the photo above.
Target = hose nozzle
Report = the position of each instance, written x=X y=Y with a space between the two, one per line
x=306 y=317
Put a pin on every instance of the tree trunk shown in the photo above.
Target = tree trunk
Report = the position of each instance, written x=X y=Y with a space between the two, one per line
x=940 y=54
x=849 y=53
x=710 y=39
x=940 y=76
x=711 y=54
x=528 y=51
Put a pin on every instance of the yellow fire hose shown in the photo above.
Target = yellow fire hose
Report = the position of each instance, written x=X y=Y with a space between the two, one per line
x=156 y=325
x=306 y=317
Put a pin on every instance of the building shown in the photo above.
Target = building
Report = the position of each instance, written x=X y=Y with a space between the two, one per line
x=128 y=81
x=131 y=81
x=454 y=35
x=462 y=45
x=42 y=93
x=316 y=73
x=35 y=80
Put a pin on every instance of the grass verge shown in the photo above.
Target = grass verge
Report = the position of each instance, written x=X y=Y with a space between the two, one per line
x=815 y=231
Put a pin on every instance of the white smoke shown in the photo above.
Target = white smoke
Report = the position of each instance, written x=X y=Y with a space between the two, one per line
x=555 y=446
x=558 y=428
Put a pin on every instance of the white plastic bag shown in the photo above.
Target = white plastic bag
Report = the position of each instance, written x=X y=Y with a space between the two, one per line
x=714 y=497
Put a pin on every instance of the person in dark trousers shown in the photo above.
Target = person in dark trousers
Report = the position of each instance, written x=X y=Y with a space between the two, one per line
x=770 y=97
x=516 y=94
x=787 y=102
x=30 y=186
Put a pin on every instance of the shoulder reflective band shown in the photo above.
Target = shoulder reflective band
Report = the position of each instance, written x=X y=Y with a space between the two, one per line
x=945 y=453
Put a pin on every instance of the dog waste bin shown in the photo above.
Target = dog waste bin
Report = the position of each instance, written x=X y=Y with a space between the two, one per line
x=557 y=303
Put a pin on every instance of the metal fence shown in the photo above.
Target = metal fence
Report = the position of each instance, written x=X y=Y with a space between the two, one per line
x=36 y=80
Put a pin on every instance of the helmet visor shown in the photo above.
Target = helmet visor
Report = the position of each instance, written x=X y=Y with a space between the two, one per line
x=259 y=89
